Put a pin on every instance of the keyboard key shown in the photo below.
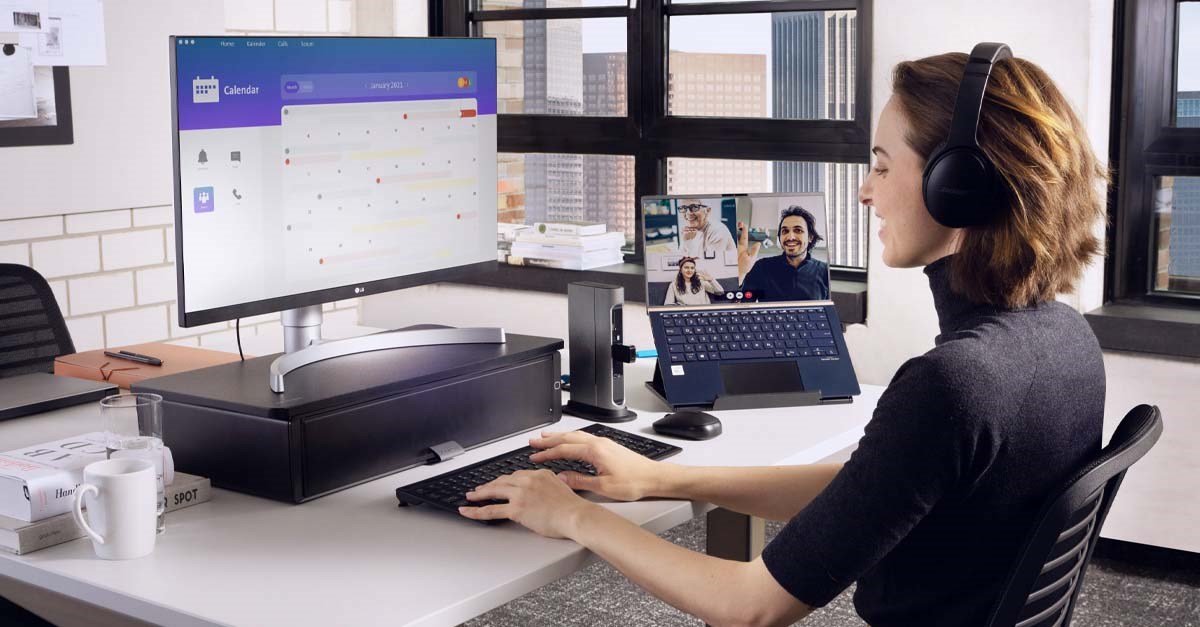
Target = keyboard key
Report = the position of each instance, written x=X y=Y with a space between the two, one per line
x=669 y=331
x=690 y=356
x=677 y=339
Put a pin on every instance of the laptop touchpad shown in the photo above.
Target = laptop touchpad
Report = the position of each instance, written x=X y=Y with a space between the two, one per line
x=766 y=377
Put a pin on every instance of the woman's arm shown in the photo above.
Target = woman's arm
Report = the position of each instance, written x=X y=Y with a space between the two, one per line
x=771 y=492
x=777 y=493
x=721 y=592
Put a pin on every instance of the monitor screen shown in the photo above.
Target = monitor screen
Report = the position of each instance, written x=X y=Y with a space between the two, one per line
x=708 y=250
x=312 y=169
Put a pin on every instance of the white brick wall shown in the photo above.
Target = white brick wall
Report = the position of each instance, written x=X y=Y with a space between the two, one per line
x=136 y=326
x=112 y=273
x=87 y=333
x=99 y=221
x=154 y=216
x=156 y=285
x=15 y=253
x=63 y=257
x=60 y=295
x=30 y=228
x=132 y=249
x=102 y=292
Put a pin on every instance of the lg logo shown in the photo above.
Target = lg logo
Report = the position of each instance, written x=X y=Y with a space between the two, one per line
x=360 y=290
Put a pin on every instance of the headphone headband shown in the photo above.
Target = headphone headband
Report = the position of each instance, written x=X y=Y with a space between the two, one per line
x=964 y=127
x=960 y=186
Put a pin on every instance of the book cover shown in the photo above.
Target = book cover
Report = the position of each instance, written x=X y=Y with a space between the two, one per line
x=544 y=251
x=39 y=481
x=570 y=227
x=566 y=264
x=20 y=537
x=604 y=241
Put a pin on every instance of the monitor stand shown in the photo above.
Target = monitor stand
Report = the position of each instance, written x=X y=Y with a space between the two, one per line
x=303 y=345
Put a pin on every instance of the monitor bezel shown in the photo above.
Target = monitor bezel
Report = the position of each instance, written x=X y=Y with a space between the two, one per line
x=188 y=319
x=726 y=306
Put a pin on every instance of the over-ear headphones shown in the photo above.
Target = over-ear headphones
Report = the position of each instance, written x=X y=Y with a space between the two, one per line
x=961 y=186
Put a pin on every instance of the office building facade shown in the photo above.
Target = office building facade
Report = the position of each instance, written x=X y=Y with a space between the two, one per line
x=813 y=56
x=1178 y=208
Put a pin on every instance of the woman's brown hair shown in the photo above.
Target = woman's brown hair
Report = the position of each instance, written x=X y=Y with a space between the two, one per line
x=1039 y=244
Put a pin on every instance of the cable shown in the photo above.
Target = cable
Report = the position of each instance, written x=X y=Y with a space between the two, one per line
x=238 y=330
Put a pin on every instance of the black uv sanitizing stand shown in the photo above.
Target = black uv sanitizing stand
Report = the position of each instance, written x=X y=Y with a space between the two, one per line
x=757 y=400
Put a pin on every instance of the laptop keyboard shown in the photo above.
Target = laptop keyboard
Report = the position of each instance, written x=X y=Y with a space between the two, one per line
x=748 y=334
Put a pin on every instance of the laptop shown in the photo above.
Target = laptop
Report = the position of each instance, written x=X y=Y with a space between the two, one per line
x=41 y=391
x=757 y=325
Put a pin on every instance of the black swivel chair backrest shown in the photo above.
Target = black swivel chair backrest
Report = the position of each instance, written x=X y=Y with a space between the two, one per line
x=32 y=330
x=1042 y=587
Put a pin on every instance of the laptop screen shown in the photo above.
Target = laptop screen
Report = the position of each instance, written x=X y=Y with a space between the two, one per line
x=738 y=248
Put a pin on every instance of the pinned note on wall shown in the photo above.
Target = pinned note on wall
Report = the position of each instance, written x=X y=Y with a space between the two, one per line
x=73 y=34
x=17 y=98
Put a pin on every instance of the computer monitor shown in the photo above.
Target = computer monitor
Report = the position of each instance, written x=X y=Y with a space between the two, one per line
x=693 y=241
x=314 y=169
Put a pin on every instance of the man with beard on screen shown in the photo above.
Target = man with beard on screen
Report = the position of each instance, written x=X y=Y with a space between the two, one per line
x=794 y=275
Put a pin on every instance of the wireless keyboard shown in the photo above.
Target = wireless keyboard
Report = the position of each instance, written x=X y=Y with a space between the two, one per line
x=448 y=491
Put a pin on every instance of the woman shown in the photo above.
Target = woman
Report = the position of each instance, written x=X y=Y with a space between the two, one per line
x=967 y=439
x=691 y=286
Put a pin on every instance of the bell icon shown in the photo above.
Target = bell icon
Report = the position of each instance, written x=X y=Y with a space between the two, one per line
x=203 y=156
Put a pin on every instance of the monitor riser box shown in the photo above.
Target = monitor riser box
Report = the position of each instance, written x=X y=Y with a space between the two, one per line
x=354 y=418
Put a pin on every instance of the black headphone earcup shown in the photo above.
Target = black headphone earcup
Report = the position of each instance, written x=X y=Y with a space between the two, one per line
x=959 y=187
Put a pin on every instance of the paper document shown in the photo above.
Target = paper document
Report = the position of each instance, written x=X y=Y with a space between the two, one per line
x=74 y=34
x=17 y=100
x=23 y=16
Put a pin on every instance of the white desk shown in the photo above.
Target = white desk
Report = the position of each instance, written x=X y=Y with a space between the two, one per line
x=355 y=558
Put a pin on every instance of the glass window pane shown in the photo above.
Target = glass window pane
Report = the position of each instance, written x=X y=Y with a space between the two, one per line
x=778 y=65
x=547 y=187
x=848 y=220
x=561 y=67
x=1177 y=234
x=1187 y=81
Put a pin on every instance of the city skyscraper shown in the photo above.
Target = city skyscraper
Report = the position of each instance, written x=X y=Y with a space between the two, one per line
x=716 y=85
x=608 y=180
x=1183 y=231
x=813 y=56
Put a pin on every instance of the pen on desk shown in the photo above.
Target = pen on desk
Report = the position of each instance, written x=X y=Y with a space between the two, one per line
x=138 y=357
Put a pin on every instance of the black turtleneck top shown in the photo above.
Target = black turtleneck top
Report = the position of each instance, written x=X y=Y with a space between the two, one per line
x=966 y=442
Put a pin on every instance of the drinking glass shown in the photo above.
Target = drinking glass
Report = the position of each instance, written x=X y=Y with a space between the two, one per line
x=133 y=428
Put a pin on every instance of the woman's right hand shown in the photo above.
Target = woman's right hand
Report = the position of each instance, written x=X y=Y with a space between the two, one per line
x=621 y=474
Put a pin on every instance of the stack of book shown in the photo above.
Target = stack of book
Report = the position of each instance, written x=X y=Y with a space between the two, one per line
x=567 y=245
x=37 y=491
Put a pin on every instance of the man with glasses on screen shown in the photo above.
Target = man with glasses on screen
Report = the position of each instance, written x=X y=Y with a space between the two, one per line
x=792 y=276
x=702 y=235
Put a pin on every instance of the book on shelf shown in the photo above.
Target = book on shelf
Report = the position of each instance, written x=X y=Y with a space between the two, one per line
x=604 y=241
x=571 y=227
x=507 y=232
x=21 y=537
x=587 y=263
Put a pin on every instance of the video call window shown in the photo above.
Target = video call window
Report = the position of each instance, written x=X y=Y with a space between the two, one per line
x=746 y=248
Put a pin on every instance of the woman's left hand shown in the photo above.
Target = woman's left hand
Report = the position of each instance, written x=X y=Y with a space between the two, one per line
x=537 y=499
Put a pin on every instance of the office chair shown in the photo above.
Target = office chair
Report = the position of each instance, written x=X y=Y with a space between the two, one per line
x=1042 y=587
x=32 y=330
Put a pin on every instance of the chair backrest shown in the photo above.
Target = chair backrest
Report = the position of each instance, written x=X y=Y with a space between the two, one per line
x=32 y=330
x=1042 y=587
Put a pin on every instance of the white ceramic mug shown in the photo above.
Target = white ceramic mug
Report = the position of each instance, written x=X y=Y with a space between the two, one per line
x=122 y=509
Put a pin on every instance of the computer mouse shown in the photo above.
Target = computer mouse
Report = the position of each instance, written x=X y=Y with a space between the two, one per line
x=689 y=424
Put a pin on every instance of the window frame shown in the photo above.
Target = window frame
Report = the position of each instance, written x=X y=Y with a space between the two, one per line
x=1144 y=144
x=651 y=136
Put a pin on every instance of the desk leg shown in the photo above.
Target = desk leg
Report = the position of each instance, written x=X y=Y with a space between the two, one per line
x=58 y=609
x=735 y=536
